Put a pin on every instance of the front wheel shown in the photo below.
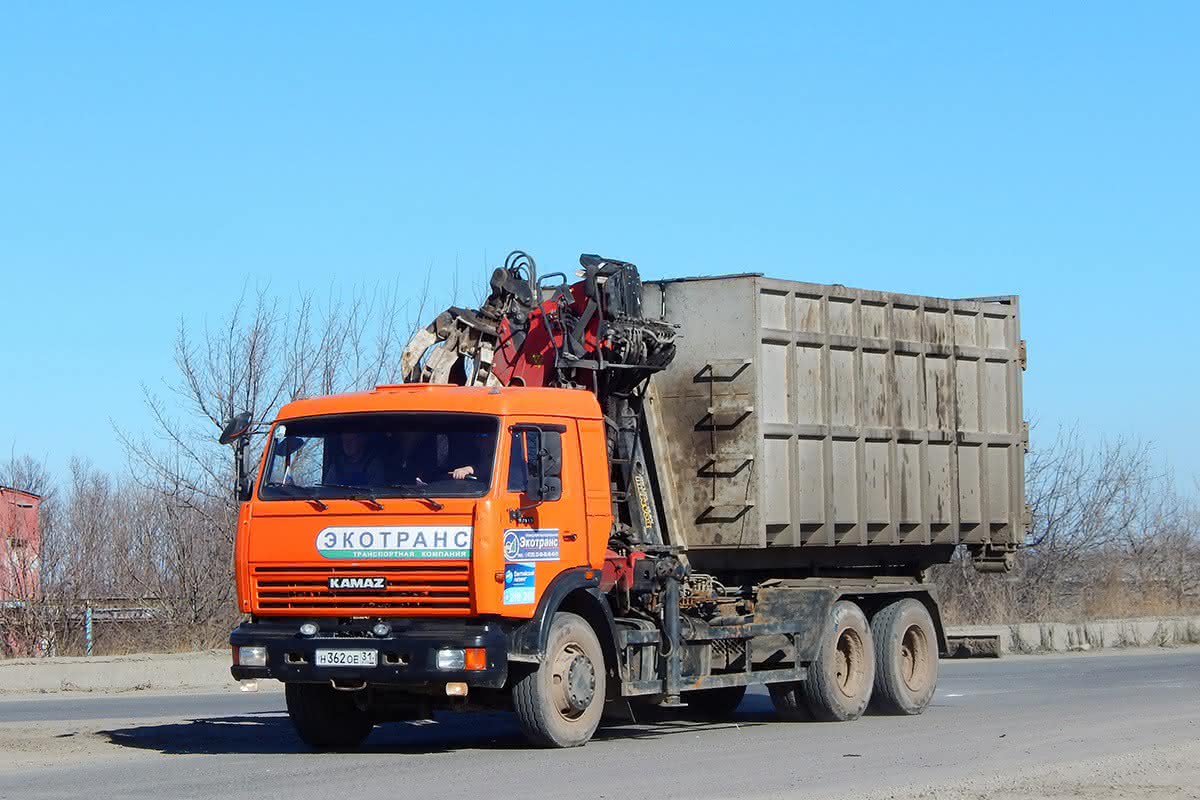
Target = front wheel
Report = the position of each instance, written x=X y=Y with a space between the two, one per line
x=560 y=703
x=326 y=719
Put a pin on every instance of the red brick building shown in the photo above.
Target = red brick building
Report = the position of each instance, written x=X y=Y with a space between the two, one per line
x=19 y=545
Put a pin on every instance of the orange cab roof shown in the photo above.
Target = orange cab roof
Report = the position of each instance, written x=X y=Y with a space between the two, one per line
x=500 y=401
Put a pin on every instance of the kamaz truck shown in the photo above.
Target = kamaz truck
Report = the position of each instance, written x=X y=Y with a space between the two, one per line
x=602 y=494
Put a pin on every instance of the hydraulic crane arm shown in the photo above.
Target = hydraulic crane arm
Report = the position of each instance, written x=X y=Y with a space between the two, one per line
x=590 y=334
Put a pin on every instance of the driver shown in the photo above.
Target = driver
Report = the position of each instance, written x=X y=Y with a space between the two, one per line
x=465 y=449
x=429 y=456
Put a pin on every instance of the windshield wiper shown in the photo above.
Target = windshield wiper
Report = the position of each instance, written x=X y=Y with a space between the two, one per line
x=408 y=491
x=295 y=491
x=361 y=494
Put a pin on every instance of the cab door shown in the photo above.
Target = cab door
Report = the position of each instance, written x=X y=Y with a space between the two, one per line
x=543 y=536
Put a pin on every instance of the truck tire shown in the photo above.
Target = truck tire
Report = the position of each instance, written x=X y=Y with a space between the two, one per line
x=906 y=657
x=714 y=703
x=326 y=719
x=840 y=680
x=560 y=703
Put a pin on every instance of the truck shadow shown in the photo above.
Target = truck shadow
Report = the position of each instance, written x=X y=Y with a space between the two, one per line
x=271 y=732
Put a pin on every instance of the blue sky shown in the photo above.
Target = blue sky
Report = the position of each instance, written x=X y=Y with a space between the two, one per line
x=154 y=157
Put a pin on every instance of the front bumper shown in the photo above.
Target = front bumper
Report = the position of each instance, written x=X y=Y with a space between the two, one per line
x=407 y=656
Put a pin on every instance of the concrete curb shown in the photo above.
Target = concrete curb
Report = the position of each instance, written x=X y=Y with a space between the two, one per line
x=1061 y=637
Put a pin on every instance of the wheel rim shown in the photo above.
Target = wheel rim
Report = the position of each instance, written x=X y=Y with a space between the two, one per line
x=572 y=681
x=914 y=658
x=849 y=663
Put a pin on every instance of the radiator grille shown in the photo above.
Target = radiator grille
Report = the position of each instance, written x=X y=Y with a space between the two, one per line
x=412 y=590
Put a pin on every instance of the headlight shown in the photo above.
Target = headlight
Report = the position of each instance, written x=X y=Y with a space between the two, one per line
x=381 y=629
x=308 y=629
x=252 y=656
x=451 y=659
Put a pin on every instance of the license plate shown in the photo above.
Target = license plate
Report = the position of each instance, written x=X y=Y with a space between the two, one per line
x=347 y=658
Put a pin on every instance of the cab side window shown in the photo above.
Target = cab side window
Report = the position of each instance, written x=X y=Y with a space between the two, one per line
x=523 y=461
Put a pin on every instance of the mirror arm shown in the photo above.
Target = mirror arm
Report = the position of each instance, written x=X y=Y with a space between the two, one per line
x=522 y=509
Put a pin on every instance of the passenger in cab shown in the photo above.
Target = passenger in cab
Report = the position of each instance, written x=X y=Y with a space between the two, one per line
x=354 y=465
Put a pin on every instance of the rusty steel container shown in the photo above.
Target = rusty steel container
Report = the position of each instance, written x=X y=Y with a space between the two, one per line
x=807 y=424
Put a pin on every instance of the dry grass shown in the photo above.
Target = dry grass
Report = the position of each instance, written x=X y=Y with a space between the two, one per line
x=1103 y=586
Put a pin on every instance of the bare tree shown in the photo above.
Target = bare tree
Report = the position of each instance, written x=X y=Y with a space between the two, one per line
x=1110 y=536
x=180 y=513
x=28 y=474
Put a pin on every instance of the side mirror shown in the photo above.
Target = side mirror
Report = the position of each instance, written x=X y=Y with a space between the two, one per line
x=235 y=428
x=236 y=432
x=245 y=483
x=544 y=479
x=535 y=485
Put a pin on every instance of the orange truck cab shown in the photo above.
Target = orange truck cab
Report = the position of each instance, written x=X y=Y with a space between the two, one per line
x=484 y=504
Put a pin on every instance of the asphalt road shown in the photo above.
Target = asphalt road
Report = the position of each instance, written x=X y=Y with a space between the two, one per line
x=990 y=718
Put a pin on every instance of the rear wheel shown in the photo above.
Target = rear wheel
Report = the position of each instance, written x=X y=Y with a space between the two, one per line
x=840 y=680
x=906 y=657
x=326 y=719
x=714 y=703
x=560 y=703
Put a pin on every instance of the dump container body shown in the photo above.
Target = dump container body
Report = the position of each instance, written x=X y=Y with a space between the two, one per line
x=799 y=418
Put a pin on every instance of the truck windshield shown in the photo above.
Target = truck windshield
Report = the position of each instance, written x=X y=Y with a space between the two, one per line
x=381 y=455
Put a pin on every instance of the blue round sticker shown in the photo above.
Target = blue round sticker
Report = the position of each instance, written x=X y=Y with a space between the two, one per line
x=512 y=545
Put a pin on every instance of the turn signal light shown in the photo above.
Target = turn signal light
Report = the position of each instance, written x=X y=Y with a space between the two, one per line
x=475 y=658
